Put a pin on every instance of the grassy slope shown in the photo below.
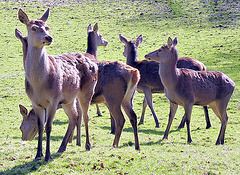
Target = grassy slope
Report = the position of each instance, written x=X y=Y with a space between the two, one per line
x=205 y=32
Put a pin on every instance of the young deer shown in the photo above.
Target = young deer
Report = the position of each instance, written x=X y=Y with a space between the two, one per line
x=186 y=87
x=54 y=80
x=150 y=81
x=115 y=79
x=95 y=39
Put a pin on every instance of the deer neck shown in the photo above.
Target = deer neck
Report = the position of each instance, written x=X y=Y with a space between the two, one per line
x=132 y=57
x=169 y=74
x=92 y=45
x=37 y=63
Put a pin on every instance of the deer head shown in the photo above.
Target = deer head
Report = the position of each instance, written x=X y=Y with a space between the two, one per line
x=162 y=55
x=130 y=45
x=38 y=30
x=29 y=126
x=100 y=40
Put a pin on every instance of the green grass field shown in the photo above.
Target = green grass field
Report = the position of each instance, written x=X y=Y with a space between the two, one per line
x=207 y=30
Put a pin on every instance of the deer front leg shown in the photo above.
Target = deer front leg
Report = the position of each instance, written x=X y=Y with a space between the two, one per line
x=173 y=110
x=182 y=122
x=48 y=128
x=99 y=113
x=41 y=115
x=113 y=125
x=207 y=117
x=148 y=96
x=188 y=112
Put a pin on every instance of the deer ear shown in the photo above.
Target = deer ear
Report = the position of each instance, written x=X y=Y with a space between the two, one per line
x=139 y=39
x=123 y=39
x=18 y=34
x=175 y=41
x=89 y=28
x=95 y=28
x=169 y=42
x=23 y=17
x=23 y=111
x=45 y=15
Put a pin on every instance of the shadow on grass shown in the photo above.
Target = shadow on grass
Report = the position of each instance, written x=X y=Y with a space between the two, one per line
x=152 y=132
x=29 y=167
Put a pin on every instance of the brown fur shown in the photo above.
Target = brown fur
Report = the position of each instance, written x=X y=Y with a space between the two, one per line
x=51 y=80
x=187 y=88
x=150 y=81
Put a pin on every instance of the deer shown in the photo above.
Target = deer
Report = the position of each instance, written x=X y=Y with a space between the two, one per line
x=150 y=81
x=53 y=80
x=95 y=39
x=28 y=117
x=115 y=79
x=187 y=87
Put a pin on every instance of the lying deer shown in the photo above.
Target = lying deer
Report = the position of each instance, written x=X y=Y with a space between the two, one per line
x=186 y=87
x=54 y=80
x=150 y=81
x=115 y=79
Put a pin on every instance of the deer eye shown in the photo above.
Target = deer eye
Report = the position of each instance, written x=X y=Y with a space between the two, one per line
x=47 y=28
x=34 y=28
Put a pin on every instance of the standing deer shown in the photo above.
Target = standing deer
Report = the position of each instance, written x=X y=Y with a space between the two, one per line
x=186 y=87
x=53 y=80
x=115 y=87
x=95 y=39
x=150 y=81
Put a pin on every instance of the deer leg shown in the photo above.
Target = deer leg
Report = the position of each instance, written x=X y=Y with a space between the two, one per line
x=113 y=125
x=220 y=109
x=182 y=122
x=207 y=117
x=188 y=111
x=148 y=96
x=79 y=123
x=173 y=110
x=119 y=120
x=98 y=110
x=41 y=120
x=72 y=113
x=143 y=111
x=85 y=98
x=133 y=120
x=50 y=112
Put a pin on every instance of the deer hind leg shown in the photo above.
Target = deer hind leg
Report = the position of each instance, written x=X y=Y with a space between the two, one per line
x=85 y=97
x=173 y=110
x=72 y=113
x=188 y=112
x=79 y=123
x=117 y=114
x=148 y=96
x=143 y=111
x=127 y=106
x=220 y=109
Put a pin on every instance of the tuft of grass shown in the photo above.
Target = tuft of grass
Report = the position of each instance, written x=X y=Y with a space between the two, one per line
x=207 y=30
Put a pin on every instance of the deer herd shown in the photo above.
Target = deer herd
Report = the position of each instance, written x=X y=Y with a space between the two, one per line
x=74 y=81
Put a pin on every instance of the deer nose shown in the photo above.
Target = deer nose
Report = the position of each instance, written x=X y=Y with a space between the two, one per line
x=49 y=38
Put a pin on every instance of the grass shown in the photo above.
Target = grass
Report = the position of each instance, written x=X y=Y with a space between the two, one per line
x=206 y=30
